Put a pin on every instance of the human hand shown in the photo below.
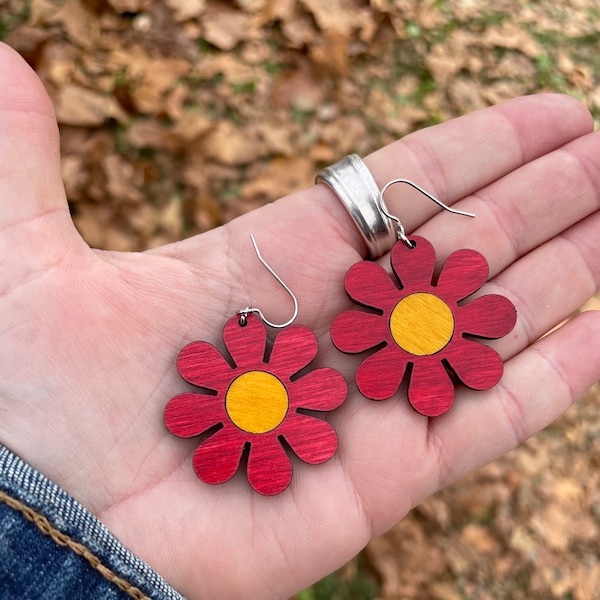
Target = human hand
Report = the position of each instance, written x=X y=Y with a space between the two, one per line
x=89 y=339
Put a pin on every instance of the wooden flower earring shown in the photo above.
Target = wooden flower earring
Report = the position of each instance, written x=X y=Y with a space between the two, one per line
x=250 y=401
x=419 y=328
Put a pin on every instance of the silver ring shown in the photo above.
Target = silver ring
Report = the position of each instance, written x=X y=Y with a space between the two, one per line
x=354 y=185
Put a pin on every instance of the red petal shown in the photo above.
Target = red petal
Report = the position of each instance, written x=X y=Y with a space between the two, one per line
x=354 y=331
x=269 y=468
x=218 y=458
x=413 y=266
x=379 y=376
x=463 y=273
x=324 y=389
x=202 y=364
x=489 y=317
x=477 y=366
x=368 y=284
x=246 y=344
x=294 y=348
x=189 y=414
x=430 y=390
x=313 y=440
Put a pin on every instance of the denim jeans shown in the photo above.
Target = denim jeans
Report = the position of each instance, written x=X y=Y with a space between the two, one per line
x=52 y=548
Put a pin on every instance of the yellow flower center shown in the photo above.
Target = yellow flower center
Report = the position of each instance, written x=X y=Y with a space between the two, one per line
x=256 y=402
x=422 y=324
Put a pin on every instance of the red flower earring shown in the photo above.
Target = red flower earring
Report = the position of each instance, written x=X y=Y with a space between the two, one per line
x=253 y=404
x=420 y=328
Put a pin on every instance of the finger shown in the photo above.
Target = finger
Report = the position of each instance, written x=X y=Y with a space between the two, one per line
x=538 y=385
x=454 y=159
x=37 y=230
x=526 y=207
x=30 y=183
x=550 y=283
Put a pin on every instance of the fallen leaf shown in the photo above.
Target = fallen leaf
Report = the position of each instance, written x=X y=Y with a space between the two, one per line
x=510 y=35
x=186 y=9
x=122 y=182
x=81 y=25
x=225 y=27
x=76 y=105
x=126 y=6
x=478 y=538
x=230 y=145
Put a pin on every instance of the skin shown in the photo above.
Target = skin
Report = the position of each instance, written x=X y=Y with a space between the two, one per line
x=89 y=338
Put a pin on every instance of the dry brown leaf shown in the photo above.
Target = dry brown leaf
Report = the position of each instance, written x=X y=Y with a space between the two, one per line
x=252 y=6
x=405 y=544
x=436 y=510
x=123 y=183
x=342 y=16
x=479 y=539
x=510 y=35
x=275 y=10
x=227 y=66
x=153 y=78
x=120 y=240
x=554 y=526
x=41 y=11
x=26 y=39
x=429 y=15
x=501 y=91
x=444 y=63
x=143 y=219
x=299 y=31
x=443 y=591
x=523 y=542
x=175 y=100
x=76 y=105
x=457 y=556
x=280 y=177
x=127 y=6
x=230 y=145
x=93 y=223
x=225 y=27
x=191 y=126
x=148 y=133
x=81 y=25
x=466 y=94
x=186 y=9
x=330 y=53
x=278 y=137
x=301 y=89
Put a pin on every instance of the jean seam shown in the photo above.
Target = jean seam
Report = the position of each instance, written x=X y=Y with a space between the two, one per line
x=61 y=539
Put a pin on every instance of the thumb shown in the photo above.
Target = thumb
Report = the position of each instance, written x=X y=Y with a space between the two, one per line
x=33 y=206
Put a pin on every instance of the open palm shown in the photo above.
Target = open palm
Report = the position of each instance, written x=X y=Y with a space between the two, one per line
x=89 y=339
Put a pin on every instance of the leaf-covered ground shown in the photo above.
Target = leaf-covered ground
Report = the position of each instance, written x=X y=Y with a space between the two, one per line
x=178 y=115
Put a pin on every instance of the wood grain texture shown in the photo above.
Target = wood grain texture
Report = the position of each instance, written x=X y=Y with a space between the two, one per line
x=255 y=404
x=422 y=324
x=423 y=327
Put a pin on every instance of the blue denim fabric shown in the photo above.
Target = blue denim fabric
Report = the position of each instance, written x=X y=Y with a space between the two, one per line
x=34 y=566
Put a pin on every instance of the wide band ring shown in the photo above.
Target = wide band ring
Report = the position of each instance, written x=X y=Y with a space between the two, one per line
x=354 y=185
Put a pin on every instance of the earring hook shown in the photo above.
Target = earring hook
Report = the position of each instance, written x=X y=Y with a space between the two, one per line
x=401 y=231
x=246 y=311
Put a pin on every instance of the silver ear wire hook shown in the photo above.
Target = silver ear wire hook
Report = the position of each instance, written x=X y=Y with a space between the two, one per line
x=401 y=232
x=246 y=311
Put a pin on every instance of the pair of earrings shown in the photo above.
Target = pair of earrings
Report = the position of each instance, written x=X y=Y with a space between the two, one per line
x=419 y=328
